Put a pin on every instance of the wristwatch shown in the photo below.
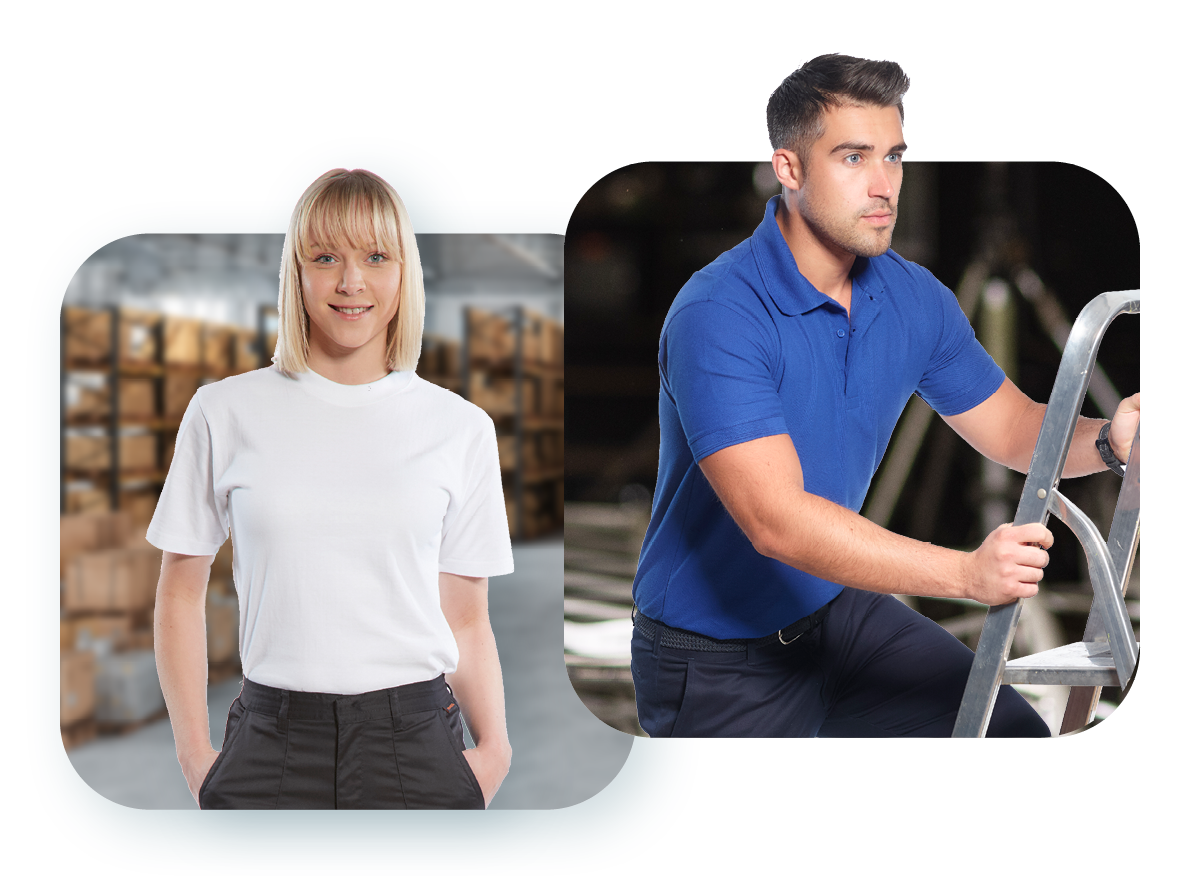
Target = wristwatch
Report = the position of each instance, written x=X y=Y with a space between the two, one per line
x=1106 y=451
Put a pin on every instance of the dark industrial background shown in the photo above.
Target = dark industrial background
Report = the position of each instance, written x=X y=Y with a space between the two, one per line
x=640 y=232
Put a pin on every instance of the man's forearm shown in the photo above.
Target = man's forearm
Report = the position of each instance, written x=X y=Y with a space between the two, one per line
x=761 y=484
x=824 y=539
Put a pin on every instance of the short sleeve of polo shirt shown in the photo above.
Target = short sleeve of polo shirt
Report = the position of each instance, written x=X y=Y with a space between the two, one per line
x=189 y=519
x=475 y=535
x=719 y=368
x=960 y=374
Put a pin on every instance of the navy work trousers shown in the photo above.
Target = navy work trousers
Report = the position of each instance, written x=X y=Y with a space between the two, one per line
x=873 y=667
x=394 y=749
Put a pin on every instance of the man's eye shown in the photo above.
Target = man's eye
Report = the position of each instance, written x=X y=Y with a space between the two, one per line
x=894 y=158
x=854 y=159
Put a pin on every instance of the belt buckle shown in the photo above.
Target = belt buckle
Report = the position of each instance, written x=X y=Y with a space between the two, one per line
x=789 y=641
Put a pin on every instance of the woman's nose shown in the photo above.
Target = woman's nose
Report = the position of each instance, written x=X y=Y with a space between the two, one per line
x=352 y=280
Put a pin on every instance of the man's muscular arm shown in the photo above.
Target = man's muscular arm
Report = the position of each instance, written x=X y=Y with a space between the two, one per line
x=761 y=484
x=1005 y=429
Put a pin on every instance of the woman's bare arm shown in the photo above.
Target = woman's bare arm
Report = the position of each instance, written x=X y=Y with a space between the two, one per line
x=181 y=652
x=477 y=682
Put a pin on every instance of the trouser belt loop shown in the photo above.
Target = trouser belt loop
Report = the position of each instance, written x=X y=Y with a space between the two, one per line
x=281 y=719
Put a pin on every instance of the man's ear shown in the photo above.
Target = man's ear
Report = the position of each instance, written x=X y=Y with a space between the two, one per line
x=787 y=169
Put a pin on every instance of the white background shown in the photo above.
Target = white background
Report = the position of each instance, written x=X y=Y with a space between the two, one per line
x=123 y=118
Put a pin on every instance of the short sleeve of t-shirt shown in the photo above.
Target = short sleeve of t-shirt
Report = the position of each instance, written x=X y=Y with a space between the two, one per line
x=475 y=537
x=960 y=373
x=189 y=519
x=718 y=366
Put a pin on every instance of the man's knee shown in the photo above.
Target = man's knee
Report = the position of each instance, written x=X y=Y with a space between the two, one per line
x=1013 y=716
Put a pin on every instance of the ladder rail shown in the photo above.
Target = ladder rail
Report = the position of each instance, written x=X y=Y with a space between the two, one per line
x=1123 y=538
x=1045 y=472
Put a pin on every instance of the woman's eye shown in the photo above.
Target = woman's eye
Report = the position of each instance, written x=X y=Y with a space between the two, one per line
x=323 y=258
x=377 y=258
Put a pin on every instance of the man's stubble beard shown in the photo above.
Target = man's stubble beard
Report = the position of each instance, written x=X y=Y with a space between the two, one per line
x=846 y=235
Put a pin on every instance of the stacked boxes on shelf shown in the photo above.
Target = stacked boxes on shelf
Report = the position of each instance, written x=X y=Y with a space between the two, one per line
x=109 y=574
x=514 y=367
x=441 y=362
x=127 y=378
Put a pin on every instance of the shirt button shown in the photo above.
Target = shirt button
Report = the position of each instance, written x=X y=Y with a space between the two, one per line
x=841 y=333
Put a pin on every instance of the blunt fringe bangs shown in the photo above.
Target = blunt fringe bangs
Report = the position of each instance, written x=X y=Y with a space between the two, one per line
x=795 y=109
x=350 y=209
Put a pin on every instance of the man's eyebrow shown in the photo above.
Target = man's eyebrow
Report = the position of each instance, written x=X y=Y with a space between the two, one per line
x=853 y=147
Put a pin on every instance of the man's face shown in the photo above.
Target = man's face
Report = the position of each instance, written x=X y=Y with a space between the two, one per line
x=851 y=182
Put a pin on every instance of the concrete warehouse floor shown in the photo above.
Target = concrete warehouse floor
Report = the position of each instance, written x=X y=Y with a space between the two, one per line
x=562 y=754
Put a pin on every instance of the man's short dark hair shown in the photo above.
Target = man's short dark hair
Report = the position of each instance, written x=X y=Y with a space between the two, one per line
x=796 y=108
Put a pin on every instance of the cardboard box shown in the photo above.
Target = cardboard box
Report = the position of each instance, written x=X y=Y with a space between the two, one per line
x=507 y=444
x=178 y=389
x=181 y=340
x=490 y=336
x=139 y=336
x=87 y=532
x=127 y=687
x=77 y=686
x=137 y=399
x=218 y=348
x=496 y=393
x=83 y=401
x=88 y=501
x=221 y=625
x=89 y=451
x=111 y=580
x=140 y=639
x=93 y=451
x=88 y=334
x=101 y=633
x=140 y=506
x=246 y=353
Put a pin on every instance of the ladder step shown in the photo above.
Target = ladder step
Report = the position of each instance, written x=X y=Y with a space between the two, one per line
x=1069 y=665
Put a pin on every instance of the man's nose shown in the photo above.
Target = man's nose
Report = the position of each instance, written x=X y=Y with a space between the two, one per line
x=881 y=185
x=352 y=279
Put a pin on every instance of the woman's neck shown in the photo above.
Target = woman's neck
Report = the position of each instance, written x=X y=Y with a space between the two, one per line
x=361 y=366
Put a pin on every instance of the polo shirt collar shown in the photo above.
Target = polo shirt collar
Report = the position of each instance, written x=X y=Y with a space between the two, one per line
x=789 y=290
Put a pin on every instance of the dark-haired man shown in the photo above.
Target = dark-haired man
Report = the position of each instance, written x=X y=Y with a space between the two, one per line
x=762 y=595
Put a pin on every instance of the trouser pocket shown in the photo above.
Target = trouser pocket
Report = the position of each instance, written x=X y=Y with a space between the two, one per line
x=433 y=772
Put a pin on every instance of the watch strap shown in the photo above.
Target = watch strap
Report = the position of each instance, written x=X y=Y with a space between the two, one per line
x=1106 y=451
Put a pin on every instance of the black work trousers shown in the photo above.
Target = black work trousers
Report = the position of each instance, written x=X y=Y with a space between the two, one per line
x=394 y=749
x=872 y=667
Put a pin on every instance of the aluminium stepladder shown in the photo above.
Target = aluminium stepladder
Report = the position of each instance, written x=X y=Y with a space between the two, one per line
x=1108 y=654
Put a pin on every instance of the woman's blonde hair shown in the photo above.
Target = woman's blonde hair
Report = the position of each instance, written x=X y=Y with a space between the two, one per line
x=356 y=209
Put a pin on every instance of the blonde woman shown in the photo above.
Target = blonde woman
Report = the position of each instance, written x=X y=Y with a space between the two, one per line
x=366 y=513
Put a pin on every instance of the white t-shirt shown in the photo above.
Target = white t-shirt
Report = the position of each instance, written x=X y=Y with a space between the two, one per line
x=344 y=502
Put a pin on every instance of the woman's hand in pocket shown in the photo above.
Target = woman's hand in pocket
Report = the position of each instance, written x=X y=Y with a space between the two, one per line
x=490 y=766
x=195 y=769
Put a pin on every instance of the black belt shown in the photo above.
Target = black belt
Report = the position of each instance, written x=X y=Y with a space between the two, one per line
x=669 y=637
x=420 y=696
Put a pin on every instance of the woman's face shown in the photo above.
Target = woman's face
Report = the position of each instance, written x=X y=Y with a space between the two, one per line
x=350 y=294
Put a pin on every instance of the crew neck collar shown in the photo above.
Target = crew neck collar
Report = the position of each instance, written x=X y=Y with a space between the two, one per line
x=355 y=395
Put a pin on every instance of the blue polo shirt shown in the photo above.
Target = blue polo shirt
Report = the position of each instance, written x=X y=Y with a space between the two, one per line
x=750 y=349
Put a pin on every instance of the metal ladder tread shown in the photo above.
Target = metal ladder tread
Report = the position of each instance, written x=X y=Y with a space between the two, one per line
x=1066 y=665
